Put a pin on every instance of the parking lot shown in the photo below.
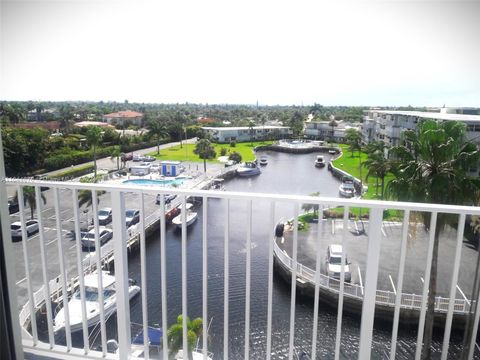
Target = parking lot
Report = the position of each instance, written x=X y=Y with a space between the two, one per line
x=68 y=244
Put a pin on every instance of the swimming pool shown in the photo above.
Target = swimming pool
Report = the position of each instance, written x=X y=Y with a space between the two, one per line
x=153 y=182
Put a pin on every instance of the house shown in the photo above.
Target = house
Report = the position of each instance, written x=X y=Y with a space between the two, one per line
x=92 y=123
x=245 y=133
x=124 y=118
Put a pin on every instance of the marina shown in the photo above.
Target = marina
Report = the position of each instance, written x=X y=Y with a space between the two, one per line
x=279 y=163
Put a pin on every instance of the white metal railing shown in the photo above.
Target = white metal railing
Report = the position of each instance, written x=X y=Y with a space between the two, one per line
x=383 y=297
x=368 y=294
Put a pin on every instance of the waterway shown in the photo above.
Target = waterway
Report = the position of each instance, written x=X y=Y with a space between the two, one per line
x=284 y=174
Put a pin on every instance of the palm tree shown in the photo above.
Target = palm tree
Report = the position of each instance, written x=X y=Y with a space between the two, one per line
x=158 y=129
x=251 y=124
x=378 y=166
x=204 y=150
x=175 y=335
x=354 y=139
x=333 y=124
x=432 y=166
x=115 y=154
x=30 y=199
x=94 y=136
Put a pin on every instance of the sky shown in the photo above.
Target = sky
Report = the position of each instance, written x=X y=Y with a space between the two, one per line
x=370 y=53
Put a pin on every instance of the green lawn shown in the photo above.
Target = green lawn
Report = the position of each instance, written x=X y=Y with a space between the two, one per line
x=185 y=153
x=352 y=166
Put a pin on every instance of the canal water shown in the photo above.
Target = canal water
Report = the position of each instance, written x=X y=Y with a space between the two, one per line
x=284 y=174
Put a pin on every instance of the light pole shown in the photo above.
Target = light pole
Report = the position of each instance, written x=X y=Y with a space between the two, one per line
x=186 y=144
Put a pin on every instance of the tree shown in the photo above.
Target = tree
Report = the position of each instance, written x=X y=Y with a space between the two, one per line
x=235 y=156
x=29 y=198
x=379 y=167
x=66 y=117
x=333 y=124
x=115 y=154
x=204 y=150
x=432 y=166
x=158 y=130
x=354 y=139
x=175 y=335
x=94 y=136
x=251 y=131
x=296 y=123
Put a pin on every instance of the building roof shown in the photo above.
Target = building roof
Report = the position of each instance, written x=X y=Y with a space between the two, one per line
x=124 y=114
x=92 y=123
x=431 y=115
x=244 y=128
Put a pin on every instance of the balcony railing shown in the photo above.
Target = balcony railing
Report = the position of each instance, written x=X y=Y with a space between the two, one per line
x=42 y=285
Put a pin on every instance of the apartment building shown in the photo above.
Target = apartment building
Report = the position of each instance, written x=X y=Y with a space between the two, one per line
x=388 y=125
x=323 y=130
x=245 y=133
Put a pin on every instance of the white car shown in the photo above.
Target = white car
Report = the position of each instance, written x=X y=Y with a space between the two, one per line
x=104 y=216
x=16 y=228
x=88 y=240
x=334 y=263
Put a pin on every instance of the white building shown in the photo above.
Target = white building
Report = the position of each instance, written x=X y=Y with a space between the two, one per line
x=388 y=125
x=244 y=133
x=323 y=130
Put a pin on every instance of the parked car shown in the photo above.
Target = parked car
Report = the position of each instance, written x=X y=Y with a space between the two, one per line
x=16 y=229
x=12 y=206
x=148 y=158
x=132 y=217
x=88 y=240
x=334 y=263
x=137 y=157
x=104 y=216
x=168 y=198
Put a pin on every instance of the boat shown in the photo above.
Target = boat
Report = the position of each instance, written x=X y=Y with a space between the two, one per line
x=218 y=184
x=248 y=169
x=347 y=188
x=91 y=302
x=263 y=161
x=191 y=217
x=320 y=161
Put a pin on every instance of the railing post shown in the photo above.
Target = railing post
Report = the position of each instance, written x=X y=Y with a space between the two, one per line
x=368 y=308
x=121 y=273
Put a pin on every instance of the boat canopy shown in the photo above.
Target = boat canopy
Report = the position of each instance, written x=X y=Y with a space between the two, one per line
x=154 y=337
x=91 y=280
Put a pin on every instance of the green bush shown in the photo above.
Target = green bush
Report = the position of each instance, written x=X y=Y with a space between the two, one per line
x=223 y=151
x=233 y=143
x=73 y=173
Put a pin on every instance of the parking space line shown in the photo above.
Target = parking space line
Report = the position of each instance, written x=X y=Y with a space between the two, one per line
x=333 y=226
x=383 y=231
x=20 y=281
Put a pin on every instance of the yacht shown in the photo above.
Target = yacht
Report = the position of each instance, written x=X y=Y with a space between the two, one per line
x=91 y=302
x=319 y=161
x=248 y=169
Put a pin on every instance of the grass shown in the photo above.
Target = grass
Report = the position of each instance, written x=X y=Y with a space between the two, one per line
x=185 y=153
x=352 y=166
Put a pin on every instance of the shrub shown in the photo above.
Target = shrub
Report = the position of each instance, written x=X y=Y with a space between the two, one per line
x=235 y=156
x=223 y=151
x=233 y=143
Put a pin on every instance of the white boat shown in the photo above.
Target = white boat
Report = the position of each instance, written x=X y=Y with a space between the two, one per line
x=191 y=216
x=347 y=188
x=263 y=160
x=91 y=302
x=196 y=355
x=248 y=169
x=320 y=161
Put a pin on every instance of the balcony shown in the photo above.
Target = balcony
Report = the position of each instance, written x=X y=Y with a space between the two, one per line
x=225 y=271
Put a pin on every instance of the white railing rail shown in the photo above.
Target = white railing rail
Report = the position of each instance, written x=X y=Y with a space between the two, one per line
x=368 y=294
x=383 y=297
